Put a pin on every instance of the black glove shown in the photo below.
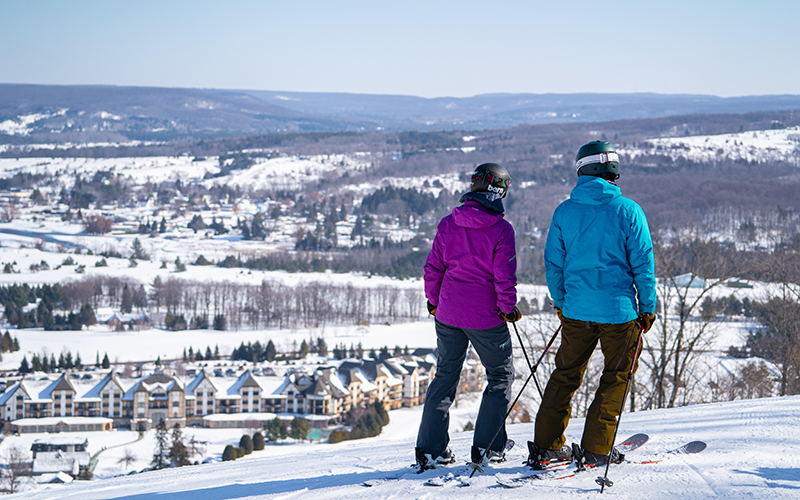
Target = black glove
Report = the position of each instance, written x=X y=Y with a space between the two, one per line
x=513 y=316
x=431 y=309
x=560 y=314
x=645 y=321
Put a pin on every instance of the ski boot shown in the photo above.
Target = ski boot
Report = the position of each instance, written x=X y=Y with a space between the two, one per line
x=544 y=459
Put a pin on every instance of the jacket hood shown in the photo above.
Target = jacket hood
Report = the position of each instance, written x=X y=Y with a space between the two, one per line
x=594 y=191
x=474 y=215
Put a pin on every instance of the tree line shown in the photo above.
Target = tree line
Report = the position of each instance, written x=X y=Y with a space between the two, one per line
x=270 y=304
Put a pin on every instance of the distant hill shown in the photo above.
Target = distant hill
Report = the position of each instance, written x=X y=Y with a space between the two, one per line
x=78 y=114
x=492 y=111
x=40 y=113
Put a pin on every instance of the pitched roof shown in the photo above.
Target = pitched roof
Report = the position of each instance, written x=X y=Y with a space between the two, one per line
x=246 y=379
x=112 y=377
x=62 y=384
x=10 y=392
x=202 y=375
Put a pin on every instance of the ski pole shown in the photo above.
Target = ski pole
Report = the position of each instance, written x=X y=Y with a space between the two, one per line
x=475 y=467
x=604 y=481
x=533 y=368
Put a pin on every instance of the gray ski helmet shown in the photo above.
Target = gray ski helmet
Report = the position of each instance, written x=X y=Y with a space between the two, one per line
x=598 y=158
x=490 y=178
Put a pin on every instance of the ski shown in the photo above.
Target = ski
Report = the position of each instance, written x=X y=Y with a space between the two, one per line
x=369 y=483
x=632 y=443
x=413 y=470
x=447 y=479
x=686 y=449
x=462 y=479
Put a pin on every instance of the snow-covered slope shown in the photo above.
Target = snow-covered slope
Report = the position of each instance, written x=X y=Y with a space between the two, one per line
x=752 y=453
x=753 y=146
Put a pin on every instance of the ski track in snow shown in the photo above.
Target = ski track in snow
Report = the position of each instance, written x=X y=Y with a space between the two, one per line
x=752 y=453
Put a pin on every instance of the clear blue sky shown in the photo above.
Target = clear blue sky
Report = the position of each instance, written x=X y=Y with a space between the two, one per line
x=426 y=48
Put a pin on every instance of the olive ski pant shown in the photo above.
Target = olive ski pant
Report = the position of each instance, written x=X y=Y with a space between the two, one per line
x=493 y=346
x=578 y=342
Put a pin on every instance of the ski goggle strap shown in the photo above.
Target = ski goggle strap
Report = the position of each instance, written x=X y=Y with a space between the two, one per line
x=605 y=157
x=490 y=179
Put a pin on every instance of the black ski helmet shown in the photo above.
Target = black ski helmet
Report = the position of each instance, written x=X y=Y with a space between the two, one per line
x=490 y=178
x=598 y=158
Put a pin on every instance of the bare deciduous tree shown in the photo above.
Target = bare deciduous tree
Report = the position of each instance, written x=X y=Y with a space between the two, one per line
x=128 y=458
x=690 y=266
x=16 y=468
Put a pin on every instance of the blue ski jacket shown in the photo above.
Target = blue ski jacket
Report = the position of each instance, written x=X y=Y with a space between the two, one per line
x=599 y=255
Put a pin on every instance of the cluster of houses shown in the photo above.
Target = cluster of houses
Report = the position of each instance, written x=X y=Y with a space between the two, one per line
x=322 y=394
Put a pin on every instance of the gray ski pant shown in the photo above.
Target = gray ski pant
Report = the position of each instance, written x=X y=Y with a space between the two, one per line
x=493 y=346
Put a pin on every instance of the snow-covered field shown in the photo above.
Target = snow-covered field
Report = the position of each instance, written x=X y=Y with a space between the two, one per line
x=753 y=146
x=752 y=453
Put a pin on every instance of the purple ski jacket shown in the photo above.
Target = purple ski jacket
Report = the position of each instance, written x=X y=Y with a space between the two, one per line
x=470 y=274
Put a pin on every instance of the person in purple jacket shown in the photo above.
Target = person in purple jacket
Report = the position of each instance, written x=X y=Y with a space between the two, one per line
x=470 y=284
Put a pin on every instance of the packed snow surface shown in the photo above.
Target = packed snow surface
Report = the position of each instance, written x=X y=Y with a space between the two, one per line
x=752 y=453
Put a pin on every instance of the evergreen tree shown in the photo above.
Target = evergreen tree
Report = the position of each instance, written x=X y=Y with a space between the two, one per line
x=322 y=347
x=218 y=226
x=24 y=367
x=47 y=320
x=276 y=429
x=36 y=365
x=270 y=352
x=299 y=428
x=382 y=414
x=106 y=363
x=303 y=349
x=179 y=266
x=163 y=227
x=178 y=453
x=245 y=229
x=197 y=223
x=126 y=305
x=161 y=453
x=220 y=323
x=97 y=360
x=78 y=362
x=358 y=230
x=138 y=252
x=257 y=229
x=209 y=354
x=86 y=315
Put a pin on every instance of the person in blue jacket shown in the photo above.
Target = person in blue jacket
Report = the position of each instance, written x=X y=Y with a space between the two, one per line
x=600 y=274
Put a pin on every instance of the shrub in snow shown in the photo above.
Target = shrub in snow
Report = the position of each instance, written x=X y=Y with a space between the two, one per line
x=229 y=454
x=247 y=444
x=258 y=441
